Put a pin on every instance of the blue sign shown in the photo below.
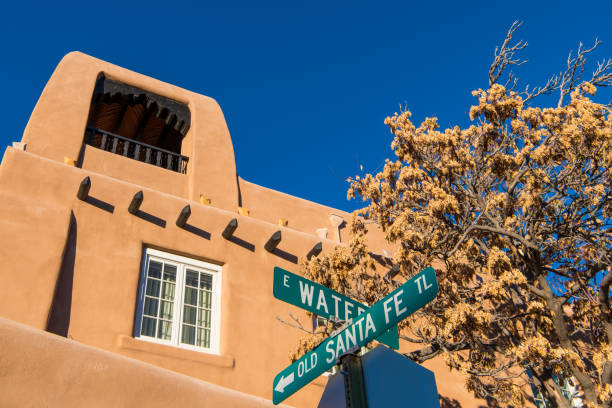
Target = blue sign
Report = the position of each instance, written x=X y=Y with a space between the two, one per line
x=390 y=380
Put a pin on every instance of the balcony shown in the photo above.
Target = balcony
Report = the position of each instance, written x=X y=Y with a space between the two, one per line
x=138 y=124
x=136 y=150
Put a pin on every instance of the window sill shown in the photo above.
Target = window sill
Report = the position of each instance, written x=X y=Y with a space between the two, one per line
x=131 y=343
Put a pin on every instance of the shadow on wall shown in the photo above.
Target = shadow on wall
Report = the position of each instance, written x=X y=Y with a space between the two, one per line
x=446 y=402
x=58 y=321
x=491 y=403
x=285 y=255
x=103 y=205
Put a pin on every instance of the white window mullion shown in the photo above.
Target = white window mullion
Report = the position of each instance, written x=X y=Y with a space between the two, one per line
x=216 y=312
x=178 y=305
x=158 y=325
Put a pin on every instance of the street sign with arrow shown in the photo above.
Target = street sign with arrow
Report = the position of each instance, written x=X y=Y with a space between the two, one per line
x=395 y=307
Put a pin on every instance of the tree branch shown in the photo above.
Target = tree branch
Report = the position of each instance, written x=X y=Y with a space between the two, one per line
x=298 y=325
x=604 y=302
x=504 y=56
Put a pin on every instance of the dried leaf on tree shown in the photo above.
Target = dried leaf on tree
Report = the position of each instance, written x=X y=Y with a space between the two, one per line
x=515 y=214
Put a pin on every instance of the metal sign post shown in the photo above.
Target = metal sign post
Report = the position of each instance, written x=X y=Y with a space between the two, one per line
x=354 y=387
x=369 y=325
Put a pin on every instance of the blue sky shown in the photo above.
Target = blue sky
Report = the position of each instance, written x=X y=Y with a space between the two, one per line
x=304 y=86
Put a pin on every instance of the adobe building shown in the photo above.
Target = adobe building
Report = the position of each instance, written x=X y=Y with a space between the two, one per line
x=118 y=285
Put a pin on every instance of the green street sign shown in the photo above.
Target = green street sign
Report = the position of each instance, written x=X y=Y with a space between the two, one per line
x=323 y=301
x=395 y=307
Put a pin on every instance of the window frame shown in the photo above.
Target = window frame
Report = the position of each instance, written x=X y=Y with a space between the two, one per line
x=181 y=263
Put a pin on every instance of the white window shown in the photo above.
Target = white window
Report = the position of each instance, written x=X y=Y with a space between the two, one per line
x=179 y=302
x=318 y=321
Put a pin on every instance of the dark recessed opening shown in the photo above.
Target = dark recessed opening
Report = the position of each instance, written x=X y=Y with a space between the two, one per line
x=138 y=124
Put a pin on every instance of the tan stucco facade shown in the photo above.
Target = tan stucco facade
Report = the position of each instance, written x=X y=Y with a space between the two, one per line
x=63 y=256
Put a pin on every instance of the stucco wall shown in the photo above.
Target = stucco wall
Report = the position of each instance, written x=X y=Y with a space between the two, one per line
x=106 y=271
x=39 y=369
x=303 y=215
x=33 y=234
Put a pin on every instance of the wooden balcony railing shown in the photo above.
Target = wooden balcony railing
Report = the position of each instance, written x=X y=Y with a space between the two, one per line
x=136 y=150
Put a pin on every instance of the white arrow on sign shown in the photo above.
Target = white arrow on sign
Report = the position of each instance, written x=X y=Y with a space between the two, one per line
x=283 y=382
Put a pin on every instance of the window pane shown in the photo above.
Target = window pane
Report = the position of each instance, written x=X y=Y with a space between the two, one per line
x=192 y=278
x=203 y=338
x=153 y=287
x=205 y=299
x=189 y=315
x=204 y=318
x=148 y=326
x=191 y=296
x=169 y=272
x=205 y=281
x=170 y=283
x=188 y=336
x=155 y=269
x=167 y=310
x=150 y=306
x=167 y=291
x=165 y=330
